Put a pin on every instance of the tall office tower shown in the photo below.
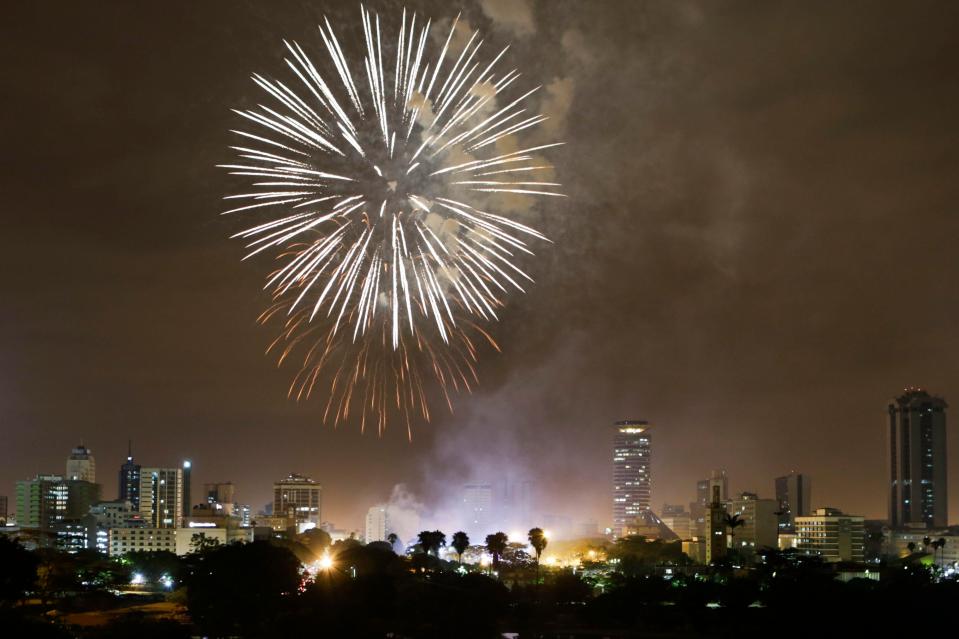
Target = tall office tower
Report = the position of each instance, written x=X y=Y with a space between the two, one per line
x=793 y=492
x=220 y=497
x=81 y=465
x=715 y=527
x=917 y=460
x=631 y=472
x=3 y=510
x=130 y=480
x=298 y=498
x=377 y=523
x=161 y=497
x=477 y=504
x=186 y=501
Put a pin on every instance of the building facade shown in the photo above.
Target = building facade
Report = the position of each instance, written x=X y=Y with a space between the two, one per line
x=161 y=497
x=917 y=460
x=477 y=502
x=81 y=466
x=716 y=542
x=794 y=494
x=299 y=499
x=761 y=523
x=704 y=495
x=129 y=480
x=632 y=480
x=377 y=524
x=832 y=535
x=124 y=540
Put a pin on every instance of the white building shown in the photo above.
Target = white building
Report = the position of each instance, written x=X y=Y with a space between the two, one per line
x=897 y=543
x=832 y=535
x=81 y=465
x=377 y=524
x=124 y=540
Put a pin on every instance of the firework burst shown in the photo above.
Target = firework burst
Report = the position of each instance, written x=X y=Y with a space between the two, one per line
x=368 y=177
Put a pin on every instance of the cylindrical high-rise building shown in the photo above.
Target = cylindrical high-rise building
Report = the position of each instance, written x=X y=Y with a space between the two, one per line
x=917 y=460
x=631 y=472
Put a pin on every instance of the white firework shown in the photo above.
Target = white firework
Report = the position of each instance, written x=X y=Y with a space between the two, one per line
x=365 y=181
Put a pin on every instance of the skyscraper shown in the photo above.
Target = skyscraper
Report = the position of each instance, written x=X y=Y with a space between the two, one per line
x=631 y=472
x=129 y=489
x=478 y=509
x=81 y=465
x=299 y=499
x=161 y=497
x=917 y=460
x=793 y=492
x=704 y=495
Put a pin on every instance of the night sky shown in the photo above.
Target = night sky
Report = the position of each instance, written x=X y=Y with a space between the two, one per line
x=757 y=252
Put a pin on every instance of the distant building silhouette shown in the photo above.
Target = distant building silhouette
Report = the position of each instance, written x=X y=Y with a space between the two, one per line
x=129 y=480
x=793 y=492
x=631 y=473
x=917 y=460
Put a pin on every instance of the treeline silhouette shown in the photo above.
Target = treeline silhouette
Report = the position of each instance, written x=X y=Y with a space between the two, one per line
x=643 y=588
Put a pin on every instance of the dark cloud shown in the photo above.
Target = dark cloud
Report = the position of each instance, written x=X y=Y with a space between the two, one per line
x=758 y=250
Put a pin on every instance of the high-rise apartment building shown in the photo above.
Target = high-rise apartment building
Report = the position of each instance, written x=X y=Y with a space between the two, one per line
x=299 y=499
x=377 y=523
x=161 y=497
x=631 y=472
x=478 y=508
x=832 y=535
x=129 y=480
x=917 y=460
x=794 y=493
x=81 y=466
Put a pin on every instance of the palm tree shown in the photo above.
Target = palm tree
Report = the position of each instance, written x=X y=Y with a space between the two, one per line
x=926 y=541
x=392 y=538
x=937 y=545
x=432 y=540
x=733 y=522
x=537 y=539
x=460 y=543
x=496 y=545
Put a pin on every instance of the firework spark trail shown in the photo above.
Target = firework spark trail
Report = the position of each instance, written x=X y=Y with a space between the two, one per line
x=361 y=179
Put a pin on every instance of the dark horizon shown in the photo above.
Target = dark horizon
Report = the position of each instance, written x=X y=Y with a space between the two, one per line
x=754 y=255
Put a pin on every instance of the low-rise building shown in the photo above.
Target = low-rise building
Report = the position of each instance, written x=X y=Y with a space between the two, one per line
x=124 y=540
x=760 y=527
x=832 y=535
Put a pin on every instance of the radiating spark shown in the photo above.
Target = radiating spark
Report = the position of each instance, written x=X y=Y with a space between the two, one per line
x=363 y=169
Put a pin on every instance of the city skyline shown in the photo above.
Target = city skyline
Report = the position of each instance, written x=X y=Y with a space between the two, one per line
x=722 y=265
